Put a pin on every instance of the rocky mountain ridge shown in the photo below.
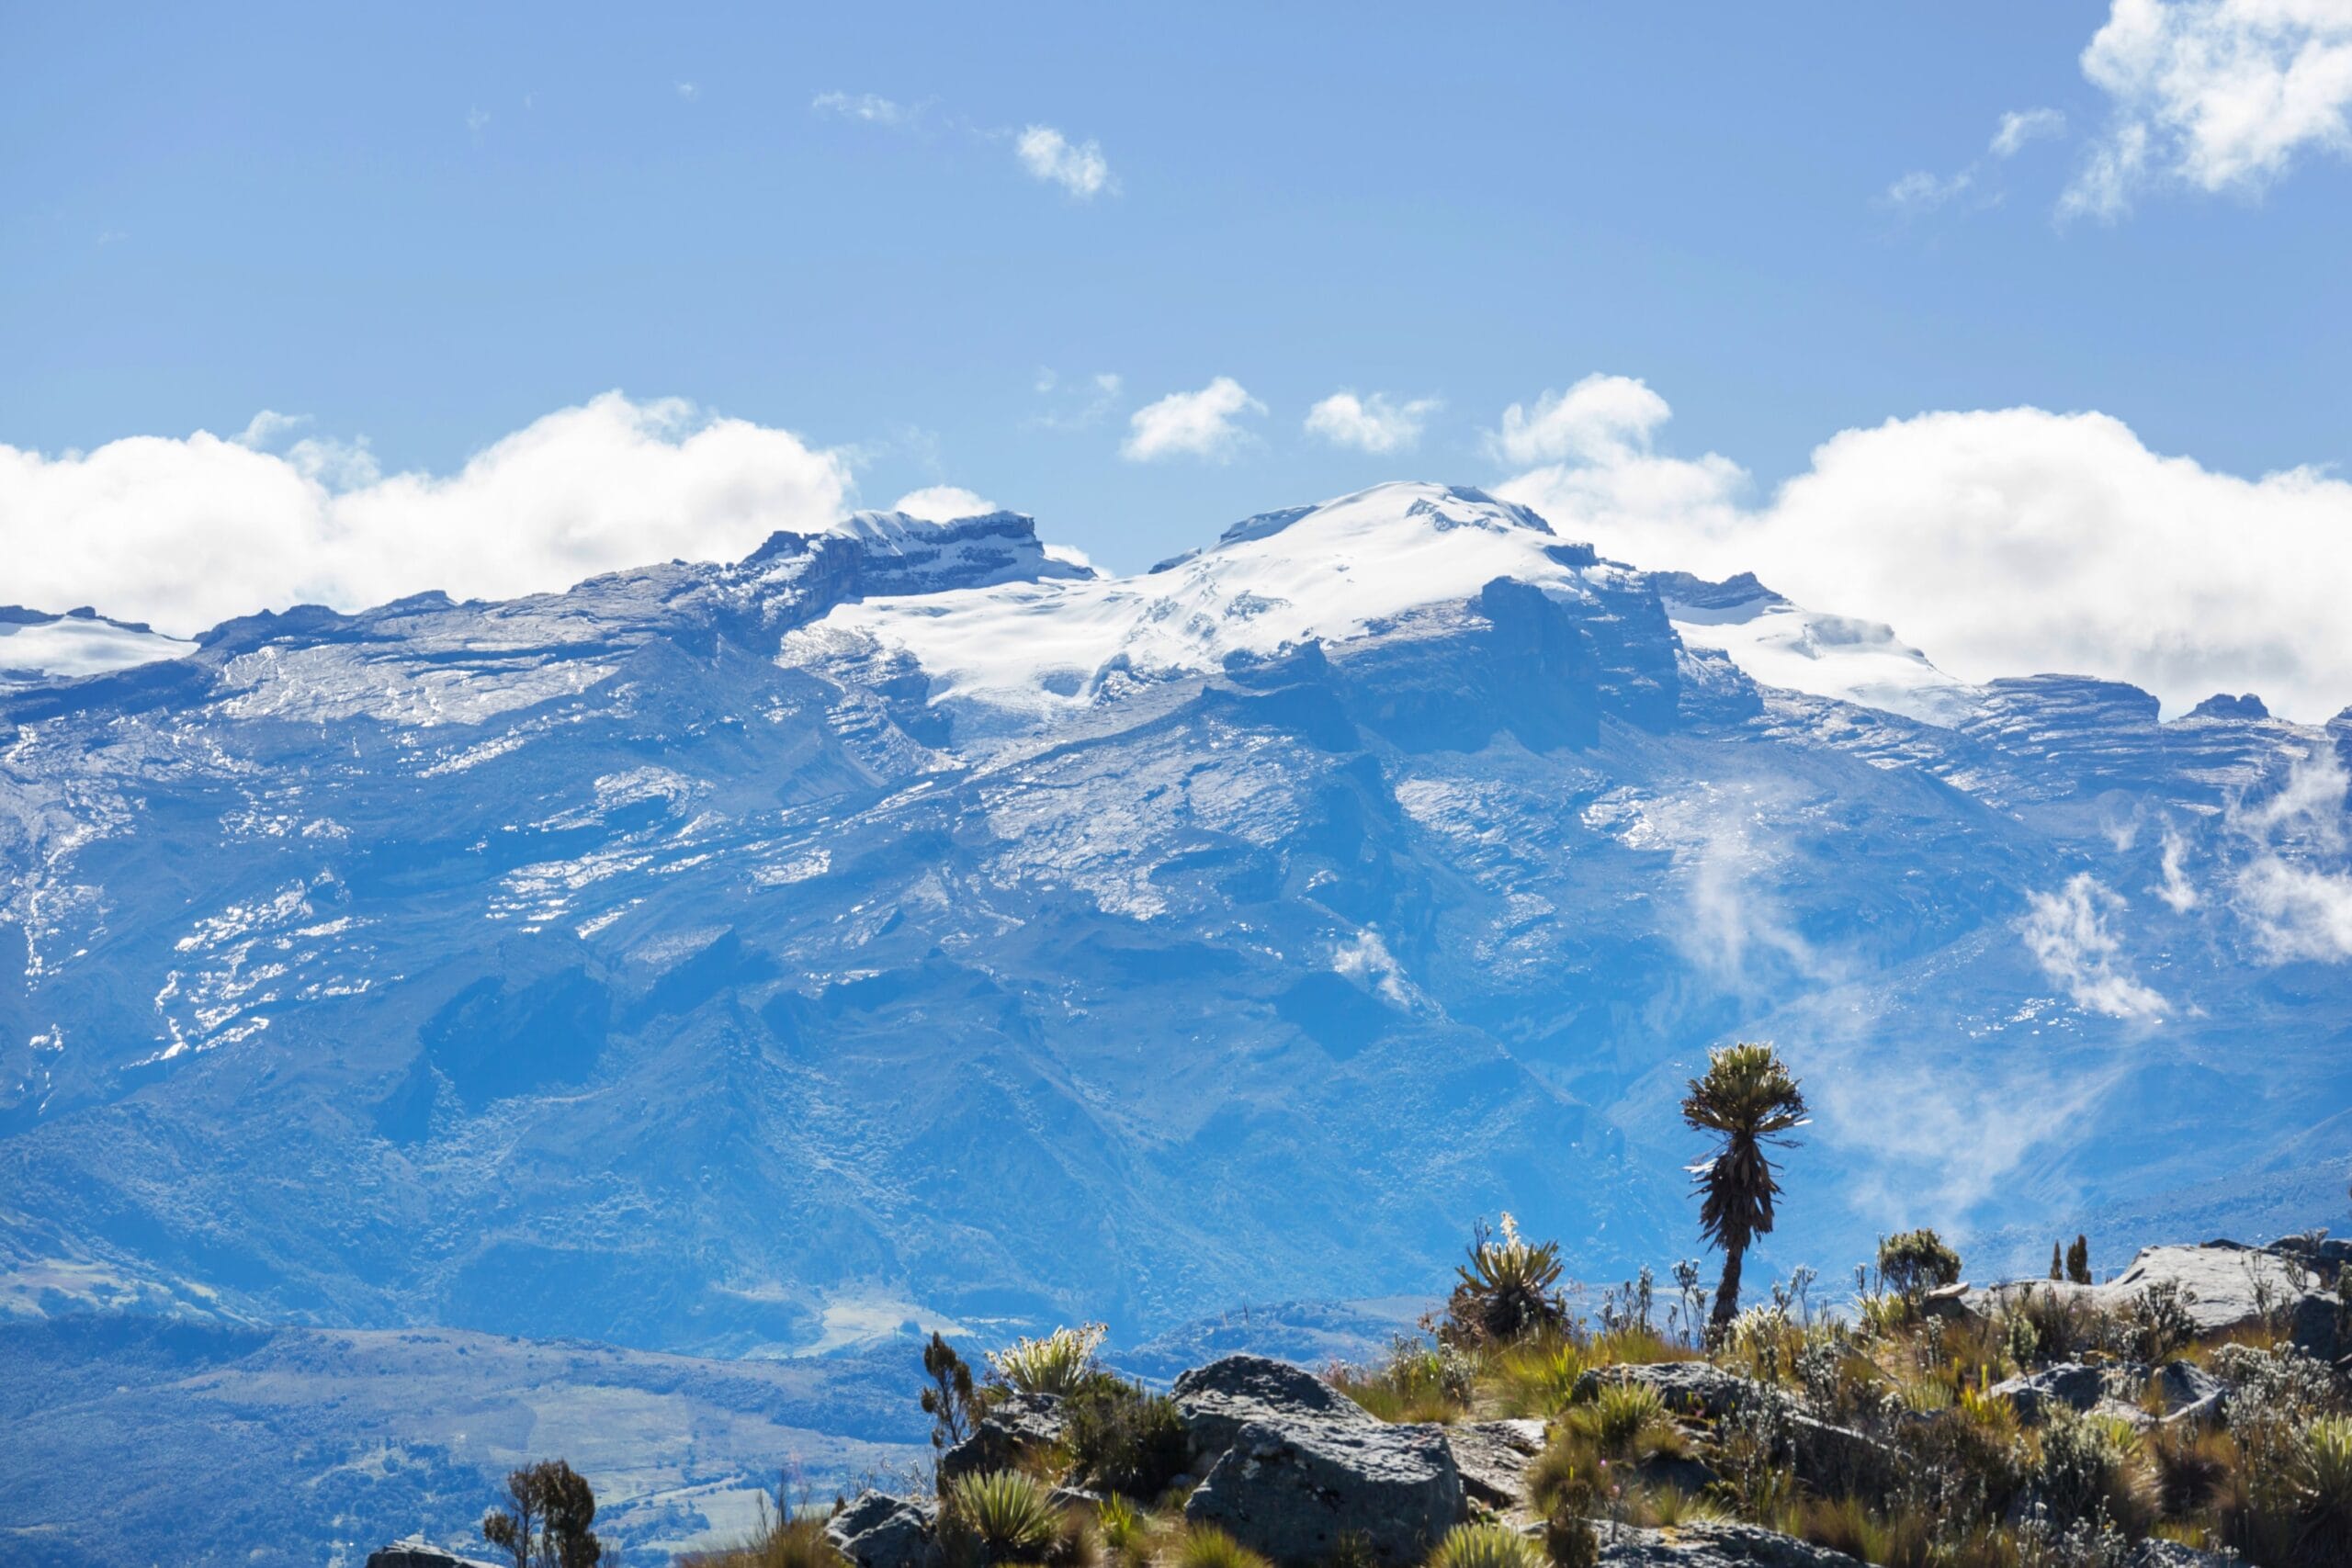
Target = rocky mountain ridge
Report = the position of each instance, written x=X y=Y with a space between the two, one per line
x=687 y=960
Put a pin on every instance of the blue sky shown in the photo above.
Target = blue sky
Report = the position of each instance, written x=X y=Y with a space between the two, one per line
x=426 y=227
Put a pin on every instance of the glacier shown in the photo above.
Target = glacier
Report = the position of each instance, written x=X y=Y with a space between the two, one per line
x=907 y=924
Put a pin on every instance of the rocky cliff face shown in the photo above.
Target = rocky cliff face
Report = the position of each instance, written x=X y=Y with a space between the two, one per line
x=907 y=923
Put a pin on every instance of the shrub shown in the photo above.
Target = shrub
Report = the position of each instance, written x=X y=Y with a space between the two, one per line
x=1618 y=1417
x=2156 y=1322
x=1005 y=1515
x=2323 y=1493
x=1570 y=1541
x=952 y=1402
x=1539 y=1377
x=2087 y=1473
x=1508 y=1289
x=1125 y=1530
x=1059 y=1363
x=2190 y=1468
x=553 y=1506
x=1915 y=1262
x=1419 y=1382
x=1206 y=1546
x=1485 y=1546
x=1122 y=1438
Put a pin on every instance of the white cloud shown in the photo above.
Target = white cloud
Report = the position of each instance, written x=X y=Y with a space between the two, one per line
x=2067 y=933
x=688 y=91
x=1192 y=424
x=942 y=504
x=2003 y=542
x=2019 y=127
x=870 y=107
x=477 y=118
x=2294 y=889
x=2216 y=95
x=1600 y=419
x=1370 y=424
x=1920 y=191
x=1078 y=167
x=187 y=533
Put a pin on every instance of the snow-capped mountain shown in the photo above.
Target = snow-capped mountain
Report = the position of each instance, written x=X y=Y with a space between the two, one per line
x=909 y=923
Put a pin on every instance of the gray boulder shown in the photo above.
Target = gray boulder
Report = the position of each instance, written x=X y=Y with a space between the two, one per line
x=1020 y=1424
x=1218 y=1400
x=2155 y=1553
x=2070 y=1385
x=415 y=1553
x=1291 y=1490
x=2223 y=1286
x=1493 y=1457
x=2188 y=1391
x=1715 y=1546
x=878 y=1531
x=1688 y=1388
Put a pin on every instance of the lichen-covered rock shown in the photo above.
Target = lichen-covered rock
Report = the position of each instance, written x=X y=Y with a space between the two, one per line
x=1020 y=1424
x=2070 y=1385
x=414 y=1553
x=2189 y=1393
x=1688 y=1388
x=1293 y=1489
x=2223 y=1286
x=1493 y=1457
x=2155 y=1553
x=1713 y=1546
x=1233 y=1392
x=874 y=1529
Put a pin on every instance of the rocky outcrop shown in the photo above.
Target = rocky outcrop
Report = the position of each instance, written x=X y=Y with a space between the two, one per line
x=413 y=1553
x=874 y=1529
x=1292 y=1465
x=1715 y=1546
x=2070 y=1385
x=2223 y=1286
x=1292 y=1490
x=2155 y=1553
x=1021 y=1424
x=1835 y=1460
x=1493 y=1457
x=1688 y=1388
x=2189 y=1393
x=1218 y=1400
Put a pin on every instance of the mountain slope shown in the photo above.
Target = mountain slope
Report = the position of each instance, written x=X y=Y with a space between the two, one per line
x=906 y=924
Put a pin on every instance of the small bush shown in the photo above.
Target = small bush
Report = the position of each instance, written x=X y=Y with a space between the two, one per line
x=1419 y=1382
x=2190 y=1468
x=1121 y=1438
x=1125 y=1530
x=1570 y=1541
x=2087 y=1472
x=1485 y=1546
x=1005 y=1515
x=1619 y=1416
x=1061 y=1362
x=1206 y=1546
x=1539 y=1377
x=2156 y=1323
x=1915 y=1262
